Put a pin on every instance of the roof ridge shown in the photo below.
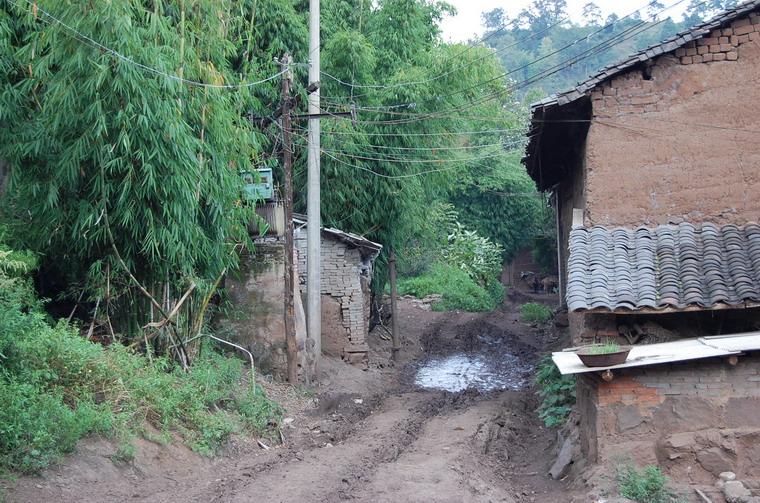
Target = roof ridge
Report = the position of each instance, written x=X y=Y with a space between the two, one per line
x=675 y=42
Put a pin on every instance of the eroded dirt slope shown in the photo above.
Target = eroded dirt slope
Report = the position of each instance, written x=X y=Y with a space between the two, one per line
x=366 y=436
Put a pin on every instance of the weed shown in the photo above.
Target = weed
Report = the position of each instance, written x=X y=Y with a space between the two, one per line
x=646 y=486
x=57 y=387
x=605 y=348
x=533 y=312
x=125 y=453
x=557 y=393
x=458 y=290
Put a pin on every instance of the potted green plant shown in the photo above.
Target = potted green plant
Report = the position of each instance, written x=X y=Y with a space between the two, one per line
x=604 y=354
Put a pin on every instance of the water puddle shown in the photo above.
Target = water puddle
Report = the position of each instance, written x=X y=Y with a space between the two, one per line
x=459 y=372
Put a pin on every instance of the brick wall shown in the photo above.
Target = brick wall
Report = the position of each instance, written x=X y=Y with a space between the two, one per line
x=345 y=278
x=693 y=418
x=672 y=140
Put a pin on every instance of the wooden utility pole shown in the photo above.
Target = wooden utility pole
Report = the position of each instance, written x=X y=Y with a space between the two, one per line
x=394 y=305
x=287 y=158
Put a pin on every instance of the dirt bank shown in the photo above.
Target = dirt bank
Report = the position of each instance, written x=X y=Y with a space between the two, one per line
x=364 y=435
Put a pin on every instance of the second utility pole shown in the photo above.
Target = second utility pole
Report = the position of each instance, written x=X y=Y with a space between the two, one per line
x=289 y=290
x=313 y=233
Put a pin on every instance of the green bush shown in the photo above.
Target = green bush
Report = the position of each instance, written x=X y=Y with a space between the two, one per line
x=646 y=486
x=458 y=290
x=476 y=255
x=56 y=387
x=532 y=312
x=557 y=393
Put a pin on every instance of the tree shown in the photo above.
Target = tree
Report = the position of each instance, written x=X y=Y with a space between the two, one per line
x=494 y=19
x=125 y=176
x=592 y=14
x=699 y=11
x=542 y=14
x=653 y=10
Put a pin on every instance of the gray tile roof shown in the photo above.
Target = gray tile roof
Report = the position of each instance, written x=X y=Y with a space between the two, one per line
x=347 y=237
x=668 y=45
x=671 y=266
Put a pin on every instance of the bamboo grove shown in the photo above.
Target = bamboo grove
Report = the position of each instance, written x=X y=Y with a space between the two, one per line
x=125 y=124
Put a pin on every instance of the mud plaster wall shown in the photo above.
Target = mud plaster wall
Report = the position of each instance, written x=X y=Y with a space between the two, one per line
x=569 y=194
x=648 y=162
x=345 y=282
x=695 y=419
x=256 y=320
x=523 y=262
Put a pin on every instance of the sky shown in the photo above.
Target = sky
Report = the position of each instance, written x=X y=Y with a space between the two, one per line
x=467 y=25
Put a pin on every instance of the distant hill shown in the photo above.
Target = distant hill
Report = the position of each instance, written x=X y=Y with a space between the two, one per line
x=545 y=53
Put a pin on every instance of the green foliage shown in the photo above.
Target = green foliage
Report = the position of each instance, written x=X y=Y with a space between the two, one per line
x=557 y=393
x=540 y=29
x=125 y=453
x=458 y=290
x=56 y=387
x=499 y=200
x=476 y=255
x=98 y=147
x=462 y=266
x=646 y=486
x=533 y=312
x=398 y=171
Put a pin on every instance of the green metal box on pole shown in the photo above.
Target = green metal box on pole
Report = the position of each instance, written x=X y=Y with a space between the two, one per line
x=257 y=190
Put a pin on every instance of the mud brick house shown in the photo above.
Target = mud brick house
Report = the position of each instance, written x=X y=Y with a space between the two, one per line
x=654 y=169
x=256 y=293
x=346 y=272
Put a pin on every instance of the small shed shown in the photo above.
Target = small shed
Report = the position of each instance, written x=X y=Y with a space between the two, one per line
x=347 y=264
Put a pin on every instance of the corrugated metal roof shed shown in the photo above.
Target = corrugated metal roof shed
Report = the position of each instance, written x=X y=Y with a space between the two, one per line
x=666 y=352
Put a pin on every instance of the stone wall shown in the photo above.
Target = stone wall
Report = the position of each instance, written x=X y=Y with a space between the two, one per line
x=695 y=419
x=676 y=139
x=345 y=281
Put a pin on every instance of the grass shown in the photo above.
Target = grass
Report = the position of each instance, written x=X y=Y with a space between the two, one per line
x=457 y=289
x=646 y=486
x=533 y=312
x=605 y=348
x=57 y=387
x=557 y=393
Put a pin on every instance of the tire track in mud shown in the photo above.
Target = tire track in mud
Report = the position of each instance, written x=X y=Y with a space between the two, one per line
x=336 y=473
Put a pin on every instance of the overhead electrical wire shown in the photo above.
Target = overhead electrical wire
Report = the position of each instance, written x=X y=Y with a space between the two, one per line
x=498 y=94
x=81 y=37
x=449 y=72
x=534 y=35
x=627 y=34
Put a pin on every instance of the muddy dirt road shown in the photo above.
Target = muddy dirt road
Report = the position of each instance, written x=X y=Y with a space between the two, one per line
x=454 y=421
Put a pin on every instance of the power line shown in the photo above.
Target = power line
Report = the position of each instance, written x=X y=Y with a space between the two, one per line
x=366 y=157
x=82 y=38
x=534 y=78
x=449 y=72
x=447 y=134
x=574 y=42
x=383 y=175
x=631 y=32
